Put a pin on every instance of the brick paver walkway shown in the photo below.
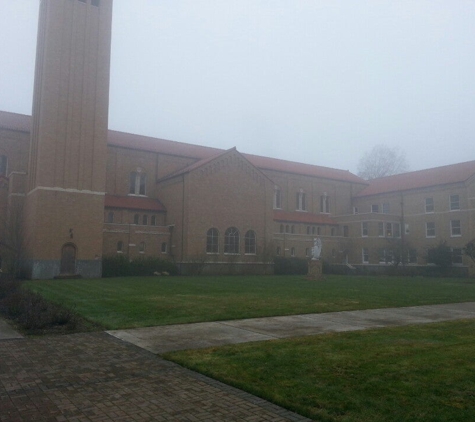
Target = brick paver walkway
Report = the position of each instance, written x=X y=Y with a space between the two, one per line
x=95 y=377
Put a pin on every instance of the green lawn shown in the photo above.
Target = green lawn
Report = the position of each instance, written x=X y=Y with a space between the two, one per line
x=143 y=301
x=419 y=373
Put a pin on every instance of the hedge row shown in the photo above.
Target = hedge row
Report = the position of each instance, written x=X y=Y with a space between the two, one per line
x=121 y=266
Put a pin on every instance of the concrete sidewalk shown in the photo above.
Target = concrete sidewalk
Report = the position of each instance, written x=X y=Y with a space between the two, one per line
x=169 y=338
x=7 y=332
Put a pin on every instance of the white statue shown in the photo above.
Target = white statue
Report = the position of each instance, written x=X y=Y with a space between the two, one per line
x=317 y=249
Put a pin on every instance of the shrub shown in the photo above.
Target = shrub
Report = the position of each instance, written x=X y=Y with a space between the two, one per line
x=120 y=266
x=290 y=266
x=441 y=256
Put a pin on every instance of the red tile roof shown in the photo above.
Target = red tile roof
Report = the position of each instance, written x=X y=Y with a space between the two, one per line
x=134 y=203
x=303 y=217
x=455 y=173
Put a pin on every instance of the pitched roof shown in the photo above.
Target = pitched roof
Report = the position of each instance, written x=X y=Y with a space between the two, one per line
x=454 y=173
x=134 y=203
x=302 y=217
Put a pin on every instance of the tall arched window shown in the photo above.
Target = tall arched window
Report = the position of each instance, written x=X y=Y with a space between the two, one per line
x=212 y=241
x=250 y=242
x=137 y=183
x=153 y=221
x=301 y=201
x=277 y=198
x=145 y=219
x=136 y=219
x=231 y=241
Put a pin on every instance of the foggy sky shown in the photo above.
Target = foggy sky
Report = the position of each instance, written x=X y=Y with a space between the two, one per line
x=316 y=81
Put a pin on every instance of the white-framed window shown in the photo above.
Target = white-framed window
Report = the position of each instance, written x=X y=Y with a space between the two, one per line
x=292 y=251
x=164 y=247
x=3 y=165
x=430 y=229
x=138 y=181
x=429 y=206
x=375 y=208
x=250 y=242
x=455 y=228
x=389 y=230
x=365 y=255
x=231 y=241
x=364 y=229
x=457 y=258
x=277 y=198
x=385 y=208
x=212 y=241
x=301 y=201
x=454 y=202
x=380 y=229
x=325 y=204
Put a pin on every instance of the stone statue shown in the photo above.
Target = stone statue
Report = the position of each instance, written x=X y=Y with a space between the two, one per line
x=317 y=249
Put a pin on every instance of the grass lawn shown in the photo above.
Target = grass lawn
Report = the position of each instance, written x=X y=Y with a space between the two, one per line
x=146 y=301
x=419 y=373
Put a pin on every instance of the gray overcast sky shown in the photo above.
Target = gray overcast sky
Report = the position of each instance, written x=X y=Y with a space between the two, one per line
x=316 y=81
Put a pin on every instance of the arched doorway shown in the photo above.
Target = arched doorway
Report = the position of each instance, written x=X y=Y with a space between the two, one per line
x=68 y=259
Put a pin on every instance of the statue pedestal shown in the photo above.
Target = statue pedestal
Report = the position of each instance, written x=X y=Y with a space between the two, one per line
x=315 y=270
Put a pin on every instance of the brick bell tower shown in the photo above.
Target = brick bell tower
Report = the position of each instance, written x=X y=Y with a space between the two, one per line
x=64 y=204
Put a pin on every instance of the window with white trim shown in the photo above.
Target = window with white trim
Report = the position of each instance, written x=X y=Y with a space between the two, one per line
x=430 y=229
x=454 y=202
x=380 y=229
x=365 y=255
x=385 y=208
x=164 y=247
x=231 y=241
x=364 y=229
x=429 y=205
x=389 y=230
x=455 y=228
x=212 y=241
x=250 y=242
x=375 y=208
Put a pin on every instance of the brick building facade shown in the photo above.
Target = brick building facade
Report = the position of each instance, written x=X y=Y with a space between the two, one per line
x=72 y=191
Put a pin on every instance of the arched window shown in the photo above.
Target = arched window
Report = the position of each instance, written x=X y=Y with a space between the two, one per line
x=277 y=198
x=153 y=221
x=319 y=231
x=3 y=165
x=282 y=228
x=137 y=183
x=292 y=251
x=231 y=241
x=136 y=219
x=301 y=201
x=142 y=247
x=250 y=242
x=164 y=247
x=313 y=230
x=308 y=229
x=287 y=228
x=145 y=220
x=292 y=229
x=120 y=246
x=212 y=241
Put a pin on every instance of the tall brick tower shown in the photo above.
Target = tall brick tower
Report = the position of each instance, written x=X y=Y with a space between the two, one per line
x=66 y=177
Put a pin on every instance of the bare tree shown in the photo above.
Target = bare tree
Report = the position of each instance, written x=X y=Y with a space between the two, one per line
x=382 y=161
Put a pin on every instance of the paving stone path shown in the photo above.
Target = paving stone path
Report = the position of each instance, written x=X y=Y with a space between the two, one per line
x=96 y=377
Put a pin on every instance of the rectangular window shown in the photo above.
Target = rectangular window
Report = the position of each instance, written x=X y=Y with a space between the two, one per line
x=429 y=205
x=457 y=256
x=364 y=229
x=355 y=210
x=455 y=229
x=375 y=208
x=345 y=231
x=397 y=230
x=164 y=247
x=301 y=201
x=277 y=198
x=454 y=202
x=382 y=256
x=365 y=253
x=381 y=229
x=430 y=229
x=389 y=230
x=386 y=208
